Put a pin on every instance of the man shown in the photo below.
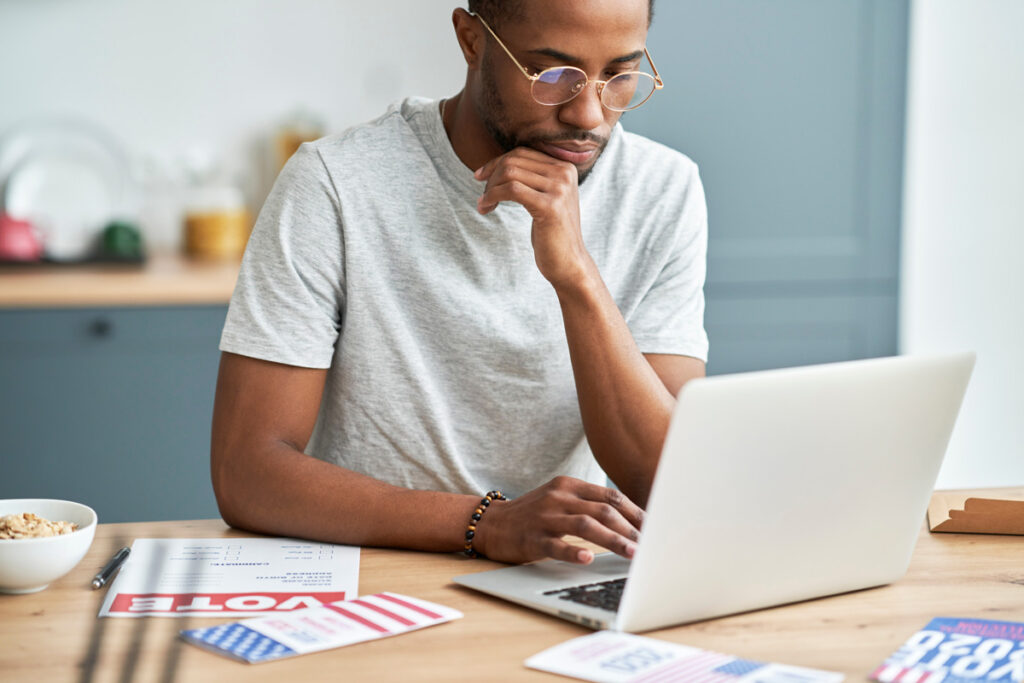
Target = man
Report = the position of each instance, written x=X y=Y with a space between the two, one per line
x=447 y=299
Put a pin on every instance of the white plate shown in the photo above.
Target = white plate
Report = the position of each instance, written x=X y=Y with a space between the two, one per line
x=67 y=178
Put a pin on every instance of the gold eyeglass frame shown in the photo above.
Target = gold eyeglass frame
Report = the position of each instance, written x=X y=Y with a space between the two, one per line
x=599 y=84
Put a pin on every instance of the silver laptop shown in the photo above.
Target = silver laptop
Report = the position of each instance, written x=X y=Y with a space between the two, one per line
x=773 y=487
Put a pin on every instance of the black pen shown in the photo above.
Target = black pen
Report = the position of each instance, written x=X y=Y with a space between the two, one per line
x=115 y=563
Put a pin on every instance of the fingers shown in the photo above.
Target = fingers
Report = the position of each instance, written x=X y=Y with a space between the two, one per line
x=589 y=528
x=526 y=188
x=484 y=172
x=511 y=175
x=518 y=155
x=525 y=181
x=614 y=498
x=610 y=518
x=558 y=549
x=597 y=514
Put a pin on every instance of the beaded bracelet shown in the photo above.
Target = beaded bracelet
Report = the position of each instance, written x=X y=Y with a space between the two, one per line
x=485 y=502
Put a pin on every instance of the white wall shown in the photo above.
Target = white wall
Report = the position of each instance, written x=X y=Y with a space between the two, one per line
x=174 y=79
x=963 y=248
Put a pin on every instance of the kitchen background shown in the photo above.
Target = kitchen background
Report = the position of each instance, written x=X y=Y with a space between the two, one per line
x=862 y=160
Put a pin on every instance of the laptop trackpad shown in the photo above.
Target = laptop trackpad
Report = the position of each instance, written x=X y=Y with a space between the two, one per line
x=547 y=575
x=605 y=566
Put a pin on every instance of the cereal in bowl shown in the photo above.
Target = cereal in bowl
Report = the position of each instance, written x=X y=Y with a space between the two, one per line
x=28 y=525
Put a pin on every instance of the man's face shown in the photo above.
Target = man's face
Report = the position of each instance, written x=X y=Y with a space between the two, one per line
x=602 y=37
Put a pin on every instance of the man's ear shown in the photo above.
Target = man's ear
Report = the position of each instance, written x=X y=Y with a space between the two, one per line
x=469 y=33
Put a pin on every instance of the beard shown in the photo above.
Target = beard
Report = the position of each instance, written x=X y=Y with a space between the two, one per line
x=492 y=112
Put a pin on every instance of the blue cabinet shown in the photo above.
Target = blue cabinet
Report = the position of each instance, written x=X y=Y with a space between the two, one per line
x=111 y=408
x=794 y=110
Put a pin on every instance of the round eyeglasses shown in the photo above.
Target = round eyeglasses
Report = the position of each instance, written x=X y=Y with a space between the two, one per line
x=559 y=84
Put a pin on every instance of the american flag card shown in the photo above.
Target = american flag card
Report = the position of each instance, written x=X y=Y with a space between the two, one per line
x=611 y=657
x=326 y=627
x=952 y=650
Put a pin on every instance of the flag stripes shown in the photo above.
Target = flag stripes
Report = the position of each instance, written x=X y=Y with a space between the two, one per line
x=387 y=613
x=405 y=603
x=695 y=669
x=357 y=618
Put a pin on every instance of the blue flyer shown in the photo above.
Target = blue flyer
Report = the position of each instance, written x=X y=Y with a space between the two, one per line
x=951 y=650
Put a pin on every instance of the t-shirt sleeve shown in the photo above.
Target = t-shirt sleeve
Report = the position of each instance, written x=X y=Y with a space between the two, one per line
x=288 y=301
x=670 y=317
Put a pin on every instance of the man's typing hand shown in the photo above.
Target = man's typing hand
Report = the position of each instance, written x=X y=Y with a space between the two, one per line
x=532 y=526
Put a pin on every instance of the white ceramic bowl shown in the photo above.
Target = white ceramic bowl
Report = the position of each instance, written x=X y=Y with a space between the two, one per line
x=28 y=565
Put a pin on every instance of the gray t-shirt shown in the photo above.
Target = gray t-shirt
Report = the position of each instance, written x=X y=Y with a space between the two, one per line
x=448 y=364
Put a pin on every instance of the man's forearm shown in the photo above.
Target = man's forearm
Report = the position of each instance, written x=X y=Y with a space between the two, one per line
x=281 y=491
x=625 y=406
x=284 y=492
x=263 y=416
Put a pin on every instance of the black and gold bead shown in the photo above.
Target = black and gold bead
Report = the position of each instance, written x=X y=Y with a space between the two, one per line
x=485 y=502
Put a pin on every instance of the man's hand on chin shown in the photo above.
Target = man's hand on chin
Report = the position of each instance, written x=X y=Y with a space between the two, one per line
x=549 y=190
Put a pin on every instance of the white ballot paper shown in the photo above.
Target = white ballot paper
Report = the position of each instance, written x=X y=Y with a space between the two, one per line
x=612 y=657
x=218 y=577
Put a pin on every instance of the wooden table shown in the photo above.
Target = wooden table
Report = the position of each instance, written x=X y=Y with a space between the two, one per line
x=55 y=635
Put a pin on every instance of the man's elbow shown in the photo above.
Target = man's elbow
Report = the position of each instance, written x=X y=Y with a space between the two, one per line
x=226 y=491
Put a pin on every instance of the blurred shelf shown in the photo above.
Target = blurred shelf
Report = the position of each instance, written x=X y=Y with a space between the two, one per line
x=165 y=279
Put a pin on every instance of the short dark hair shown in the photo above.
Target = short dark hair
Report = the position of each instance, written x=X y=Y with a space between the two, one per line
x=496 y=12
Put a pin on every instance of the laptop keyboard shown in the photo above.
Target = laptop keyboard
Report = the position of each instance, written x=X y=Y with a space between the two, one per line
x=603 y=595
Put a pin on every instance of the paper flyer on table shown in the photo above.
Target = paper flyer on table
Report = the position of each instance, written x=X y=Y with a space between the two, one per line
x=956 y=650
x=320 y=628
x=612 y=657
x=218 y=577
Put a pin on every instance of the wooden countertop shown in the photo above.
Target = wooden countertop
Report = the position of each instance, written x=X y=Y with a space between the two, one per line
x=55 y=635
x=167 y=279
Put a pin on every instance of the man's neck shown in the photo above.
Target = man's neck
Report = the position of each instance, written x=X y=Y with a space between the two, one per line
x=469 y=138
